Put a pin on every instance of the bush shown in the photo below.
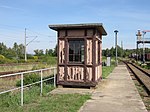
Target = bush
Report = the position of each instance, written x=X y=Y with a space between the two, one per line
x=28 y=79
x=49 y=60
x=2 y=57
x=4 y=60
x=148 y=65
x=35 y=57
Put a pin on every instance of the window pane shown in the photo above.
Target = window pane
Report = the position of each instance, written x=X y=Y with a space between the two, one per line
x=76 y=50
x=71 y=58
x=77 y=58
x=71 y=51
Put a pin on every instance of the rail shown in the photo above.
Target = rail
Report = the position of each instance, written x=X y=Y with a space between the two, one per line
x=141 y=69
x=22 y=83
x=142 y=76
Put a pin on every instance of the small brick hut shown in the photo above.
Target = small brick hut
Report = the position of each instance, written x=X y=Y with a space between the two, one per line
x=79 y=54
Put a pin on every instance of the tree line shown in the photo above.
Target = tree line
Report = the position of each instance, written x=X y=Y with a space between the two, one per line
x=17 y=52
x=122 y=52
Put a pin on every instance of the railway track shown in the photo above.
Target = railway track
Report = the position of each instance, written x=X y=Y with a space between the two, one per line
x=142 y=76
x=11 y=72
x=16 y=64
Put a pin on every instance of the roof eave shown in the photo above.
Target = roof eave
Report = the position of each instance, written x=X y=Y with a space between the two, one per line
x=99 y=26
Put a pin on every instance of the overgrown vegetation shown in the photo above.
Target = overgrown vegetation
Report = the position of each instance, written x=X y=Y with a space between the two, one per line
x=11 y=101
x=29 y=79
x=145 y=66
x=30 y=66
x=107 y=70
x=143 y=94
x=33 y=102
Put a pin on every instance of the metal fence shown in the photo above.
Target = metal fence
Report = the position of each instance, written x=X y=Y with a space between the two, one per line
x=22 y=86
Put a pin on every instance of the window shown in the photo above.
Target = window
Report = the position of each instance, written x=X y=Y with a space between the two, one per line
x=76 y=51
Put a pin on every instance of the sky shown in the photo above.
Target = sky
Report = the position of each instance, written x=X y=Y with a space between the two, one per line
x=126 y=16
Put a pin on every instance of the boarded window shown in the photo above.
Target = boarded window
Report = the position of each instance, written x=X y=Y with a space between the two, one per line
x=76 y=51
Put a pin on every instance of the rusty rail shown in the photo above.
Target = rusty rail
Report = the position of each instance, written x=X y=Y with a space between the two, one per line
x=142 y=76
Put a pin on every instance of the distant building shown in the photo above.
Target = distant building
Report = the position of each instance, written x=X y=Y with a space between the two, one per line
x=79 y=54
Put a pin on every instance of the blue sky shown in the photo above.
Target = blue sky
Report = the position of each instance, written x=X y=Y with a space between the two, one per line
x=127 y=16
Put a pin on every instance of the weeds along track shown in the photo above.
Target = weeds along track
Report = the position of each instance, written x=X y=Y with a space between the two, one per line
x=13 y=68
x=6 y=69
x=142 y=75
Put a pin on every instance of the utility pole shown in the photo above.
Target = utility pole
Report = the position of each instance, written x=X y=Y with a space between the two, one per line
x=25 y=45
x=143 y=47
x=116 y=31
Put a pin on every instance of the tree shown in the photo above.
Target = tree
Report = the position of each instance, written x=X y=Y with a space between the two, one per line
x=105 y=52
x=112 y=52
x=119 y=51
x=46 y=52
x=3 y=48
x=15 y=48
x=21 y=50
x=38 y=52
x=50 y=52
x=55 y=50
x=10 y=53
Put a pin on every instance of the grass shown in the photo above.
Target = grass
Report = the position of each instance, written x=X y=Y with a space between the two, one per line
x=59 y=103
x=106 y=70
x=33 y=102
x=7 y=84
x=48 y=60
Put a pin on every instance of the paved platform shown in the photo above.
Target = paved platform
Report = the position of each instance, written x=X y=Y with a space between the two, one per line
x=72 y=91
x=117 y=93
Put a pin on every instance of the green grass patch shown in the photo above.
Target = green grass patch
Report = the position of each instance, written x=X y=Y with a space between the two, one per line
x=33 y=102
x=58 y=103
x=48 y=60
x=106 y=70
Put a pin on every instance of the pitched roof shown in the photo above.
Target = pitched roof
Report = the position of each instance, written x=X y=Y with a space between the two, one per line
x=98 y=26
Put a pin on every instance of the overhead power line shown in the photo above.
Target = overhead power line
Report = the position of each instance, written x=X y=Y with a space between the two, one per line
x=10 y=27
